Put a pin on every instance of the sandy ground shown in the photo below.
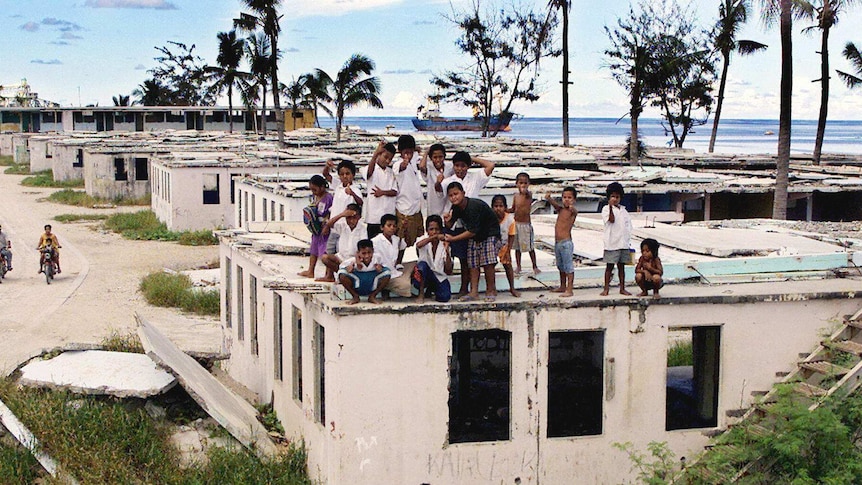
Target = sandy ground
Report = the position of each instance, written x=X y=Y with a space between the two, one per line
x=97 y=291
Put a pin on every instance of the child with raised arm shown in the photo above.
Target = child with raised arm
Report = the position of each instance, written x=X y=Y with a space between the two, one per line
x=507 y=235
x=617 y=237
x=482 y=233
x=382 y=188
x=346 y=193
x=434 y=175
x=564 y=248
x=431 y=273
x=321 y=204
x=363 y=274
x=349 y=229
x=388 y=245
x=408 y=203
x=522 y=204
x=649 y=270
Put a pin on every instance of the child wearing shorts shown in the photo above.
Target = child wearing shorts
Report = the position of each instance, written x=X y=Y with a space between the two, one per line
x=363 y=275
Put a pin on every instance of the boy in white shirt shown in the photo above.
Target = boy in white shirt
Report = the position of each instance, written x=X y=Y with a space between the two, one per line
x=408 y=203
x=388 y=245
x=349 y=229
x=617 y=237
x=431 y=274
x=382 y=188
x=363 y=274
x=434 y=174
x=345 y=193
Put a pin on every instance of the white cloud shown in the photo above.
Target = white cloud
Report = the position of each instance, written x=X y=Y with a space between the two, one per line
x=405 y=100
x=153 y=4
x=306 y=8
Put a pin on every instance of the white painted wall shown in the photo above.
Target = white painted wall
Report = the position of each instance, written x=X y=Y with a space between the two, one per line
x=387 y=377
x=40 y=149
x=65 y=155
x=100 y=179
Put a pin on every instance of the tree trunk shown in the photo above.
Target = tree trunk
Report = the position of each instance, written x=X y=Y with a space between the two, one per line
x=263 y=111
x=276 y=102
x=230 y=105
x=824 y=90
x=634 y=152
x=339 y=118
x=566 y=73
x=779 y=206
x=720 y=101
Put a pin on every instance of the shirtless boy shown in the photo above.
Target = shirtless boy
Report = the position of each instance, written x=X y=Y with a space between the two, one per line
x=564 y=249
x=522 y=204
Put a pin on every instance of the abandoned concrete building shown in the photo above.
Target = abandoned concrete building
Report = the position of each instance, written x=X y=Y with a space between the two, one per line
x=536 y=389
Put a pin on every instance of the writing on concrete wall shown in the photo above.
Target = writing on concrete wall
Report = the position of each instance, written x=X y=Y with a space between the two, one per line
x=485 y=465
x=363 y=445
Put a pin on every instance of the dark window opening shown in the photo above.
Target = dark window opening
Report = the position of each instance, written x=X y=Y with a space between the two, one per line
x=278 y=337
x=319 y=374
x=210 y=188
x=79 y=158
x=479 y=386
x=228 y=293
x=142 y=169
x=298 y=115
x=120 y=172
x=692 y=378
x=297 y=354
x=575 y=383
x=232 y=189
x=157 y=117
x=265 y=205
x=240 y=305
x=252 y=308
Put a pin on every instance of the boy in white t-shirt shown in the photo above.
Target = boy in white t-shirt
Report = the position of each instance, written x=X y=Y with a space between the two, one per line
x=382 y=187
x=345 y=193
x=435 y=173
x=349 y=229
x=363 y=274
x=431 y=274
x=408 y=203
x=617 y=237
x=387 y=245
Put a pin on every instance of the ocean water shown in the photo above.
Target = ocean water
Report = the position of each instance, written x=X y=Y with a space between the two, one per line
x=734 y=135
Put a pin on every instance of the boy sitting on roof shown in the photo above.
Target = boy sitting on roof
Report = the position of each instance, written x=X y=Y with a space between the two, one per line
x=363 y=275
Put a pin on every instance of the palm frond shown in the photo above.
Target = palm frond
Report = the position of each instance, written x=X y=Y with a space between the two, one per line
x=746 y=47
x=850 y=80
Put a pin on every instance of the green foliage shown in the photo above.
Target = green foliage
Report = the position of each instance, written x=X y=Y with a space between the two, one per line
x=7 y=160
x=680 y=353
x=145 y=226
x=17 y=465
x=45 y=178
x=81 y=199
x=104 y=440
x=80 y=217
x=18 y=169
x=117 y=342
x=267 y=417
x=641 y=147
x=657 y=468
x=198 y=238
x=175 y=290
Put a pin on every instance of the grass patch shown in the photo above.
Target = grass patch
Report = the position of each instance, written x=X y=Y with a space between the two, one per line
x=117 y=342
x=45 y=178
x=16 y=169
x=7 y=160
x=680 y=353
x=105 y=440
x=81 y=199
x=143 y=225
x=80 y=217
x=176 y=291
x=17 y=465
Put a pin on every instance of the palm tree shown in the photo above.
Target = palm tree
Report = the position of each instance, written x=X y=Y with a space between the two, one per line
x=731 y=15
x=298 y=94
x=153 y=93
x=318 y=84
x=852 y=54
x=226 y=74
x=257 y=50
x=826 y=15
x=264 y=15
x=564 y=6
x=353 y=86
x=121 y=100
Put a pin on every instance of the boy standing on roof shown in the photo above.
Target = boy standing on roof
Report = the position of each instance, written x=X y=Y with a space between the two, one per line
x=617 y=237
x=482 y=233
x=522 y=205
x=434 y=174
x=408 y=202
x=382 y=188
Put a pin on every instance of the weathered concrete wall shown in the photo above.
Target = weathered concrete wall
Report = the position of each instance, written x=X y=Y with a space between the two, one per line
x=6 y=144
x=387 y=379
x=41 y=153
x=65 y=157
x=20 y=147
x=286 y=207
x=100 y=177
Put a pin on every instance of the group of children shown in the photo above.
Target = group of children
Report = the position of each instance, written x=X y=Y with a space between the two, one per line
x=365 y=254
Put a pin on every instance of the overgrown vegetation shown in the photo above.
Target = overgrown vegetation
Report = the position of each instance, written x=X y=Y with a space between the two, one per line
x=80 y=217
x=123 y=342
x=144 y=225
x=17 y=169
x=7 y=160
x=45 y=178
x=105 y=440
x=81 y=199
x=176 y=290
x=680 y=353
x=267 y=417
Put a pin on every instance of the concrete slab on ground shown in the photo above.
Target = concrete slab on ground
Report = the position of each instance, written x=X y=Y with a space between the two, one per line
x=119 y=374
x=232 y=412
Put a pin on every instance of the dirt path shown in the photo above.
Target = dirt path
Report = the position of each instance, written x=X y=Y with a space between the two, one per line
x=97 y=291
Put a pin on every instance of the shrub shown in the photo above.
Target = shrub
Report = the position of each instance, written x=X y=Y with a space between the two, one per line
x=16 y=169
x=175 y=290
x=45 y=178
x=7 y=160
x=117 y=342
x=198 y=238
x=141 y=225
x=680 y=353
x=81 y=199
x=80 y=217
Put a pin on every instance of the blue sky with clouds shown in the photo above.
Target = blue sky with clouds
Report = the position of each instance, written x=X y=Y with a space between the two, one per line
x=101 y=48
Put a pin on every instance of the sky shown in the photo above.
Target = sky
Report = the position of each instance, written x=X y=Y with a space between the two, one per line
x=80 y=52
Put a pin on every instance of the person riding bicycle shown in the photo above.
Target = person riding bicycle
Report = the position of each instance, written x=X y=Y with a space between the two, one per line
x=44 y=241
x=5 y=249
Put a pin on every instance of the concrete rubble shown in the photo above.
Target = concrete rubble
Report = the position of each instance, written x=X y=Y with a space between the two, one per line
x=119 y=374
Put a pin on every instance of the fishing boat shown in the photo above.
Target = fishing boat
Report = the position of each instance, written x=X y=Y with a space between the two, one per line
x=429 y=118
